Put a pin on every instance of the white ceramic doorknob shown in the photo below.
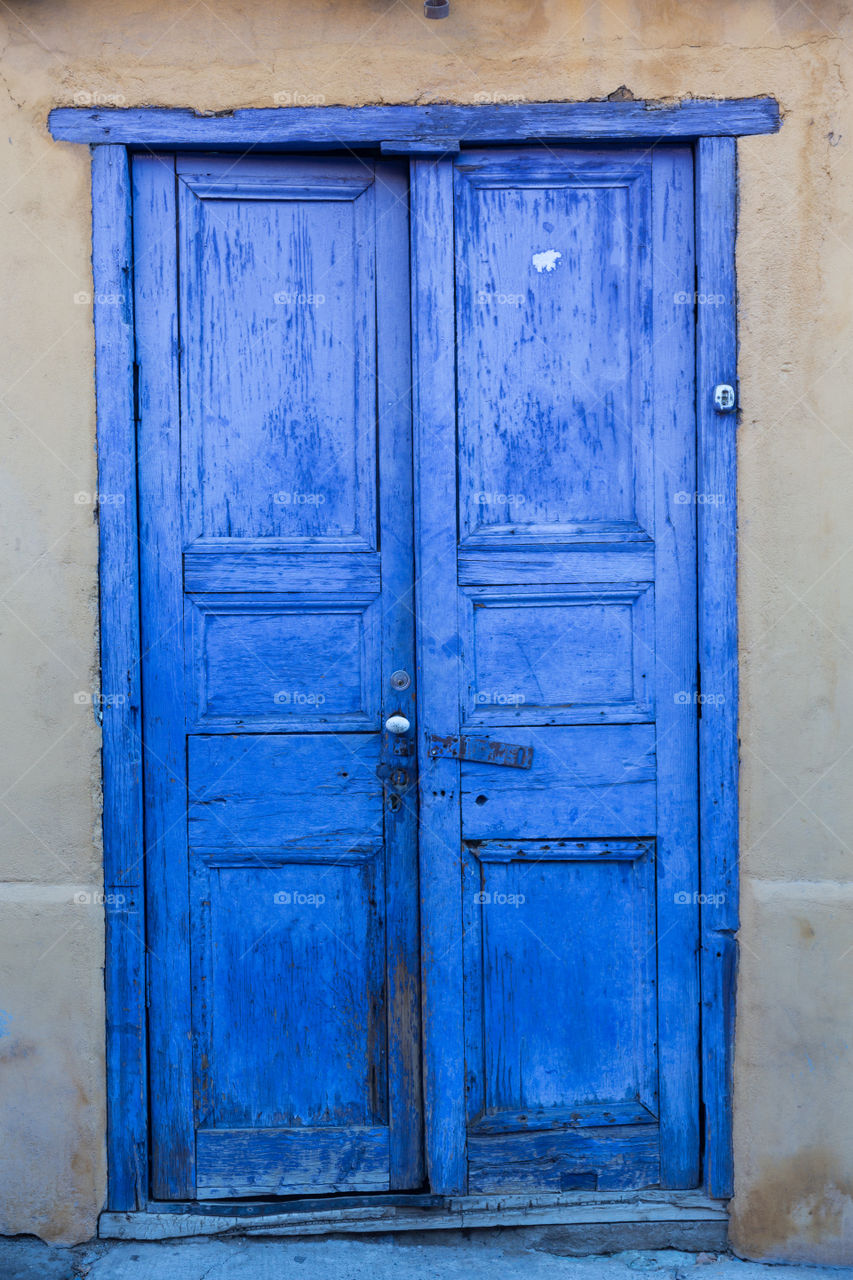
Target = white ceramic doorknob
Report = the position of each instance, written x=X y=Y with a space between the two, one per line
x=397 y=724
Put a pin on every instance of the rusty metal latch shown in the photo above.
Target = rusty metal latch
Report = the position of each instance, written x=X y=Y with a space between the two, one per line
x=482 y=750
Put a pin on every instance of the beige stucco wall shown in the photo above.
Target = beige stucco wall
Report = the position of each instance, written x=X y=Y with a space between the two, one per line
x=794 y=1115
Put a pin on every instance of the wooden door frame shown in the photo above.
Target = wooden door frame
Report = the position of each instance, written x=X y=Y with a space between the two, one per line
x=425 y=134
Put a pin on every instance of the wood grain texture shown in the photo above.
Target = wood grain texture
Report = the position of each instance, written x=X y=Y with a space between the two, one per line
x=268 y=485
x=582 y=606
x=600 y=1159
x=127 y=1126
x=161 y=603
x=342 y=127
x=716 y=194
x=595 y=1215
x=396 y=515
x=576 y=444
x=229 y=564
x=241 y=1162
x=432 y=269
x=564 y=950
x=674 y=644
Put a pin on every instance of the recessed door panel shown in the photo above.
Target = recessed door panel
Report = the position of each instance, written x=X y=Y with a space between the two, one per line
x=418 y=601
x=574 y=586
x=275 y=447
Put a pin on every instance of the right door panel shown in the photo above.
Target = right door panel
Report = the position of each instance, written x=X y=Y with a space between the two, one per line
x=577 y=570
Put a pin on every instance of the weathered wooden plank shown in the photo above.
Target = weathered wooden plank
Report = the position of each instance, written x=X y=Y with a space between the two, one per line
x=278 y=332
x=215 y=567
x=716 y=188
x=438 y=670
x=674 y=648
x=623 y=1156
x=257 y=1161
x=161 y=604
x=559 y=850
x=394 y=411
x=538 y=565
x=250 y=790
x=564 y=953
x=591 y=1115
x=284 y=662
x=127 y=1126
x=275 y=987
x=588 y=779
x=342 y=127
x=580 y=1209
x=567 y=654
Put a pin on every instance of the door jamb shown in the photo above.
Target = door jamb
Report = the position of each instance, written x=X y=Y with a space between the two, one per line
x=712 y=127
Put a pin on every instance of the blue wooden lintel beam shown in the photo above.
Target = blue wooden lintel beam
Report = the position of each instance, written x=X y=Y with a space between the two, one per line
x=346 y=127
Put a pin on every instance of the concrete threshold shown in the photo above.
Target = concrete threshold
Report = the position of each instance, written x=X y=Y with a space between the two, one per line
x=593 y=1221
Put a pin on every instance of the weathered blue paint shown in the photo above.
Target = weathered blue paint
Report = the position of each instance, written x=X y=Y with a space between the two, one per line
x=439 y=672
x=574 y=428
x=282 y=886
x=716 y=360
x=440 y=127
x=127 y=1109
x=503 y=577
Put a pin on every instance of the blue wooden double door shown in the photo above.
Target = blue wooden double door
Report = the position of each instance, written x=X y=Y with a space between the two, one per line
x=419 y=678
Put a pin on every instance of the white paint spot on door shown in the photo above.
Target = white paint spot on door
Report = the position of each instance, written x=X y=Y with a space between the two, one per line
x=546 y=260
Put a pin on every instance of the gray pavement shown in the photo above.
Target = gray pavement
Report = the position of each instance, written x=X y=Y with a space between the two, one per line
x=497 y=1258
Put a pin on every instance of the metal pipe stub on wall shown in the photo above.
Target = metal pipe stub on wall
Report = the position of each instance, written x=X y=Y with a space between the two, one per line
x=436 y=8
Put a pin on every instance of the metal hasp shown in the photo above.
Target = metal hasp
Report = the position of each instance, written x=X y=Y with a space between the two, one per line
x=724 y=397
x=483 y=750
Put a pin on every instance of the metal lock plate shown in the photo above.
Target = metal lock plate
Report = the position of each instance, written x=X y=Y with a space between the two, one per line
x=724 y=397
x=482 y=750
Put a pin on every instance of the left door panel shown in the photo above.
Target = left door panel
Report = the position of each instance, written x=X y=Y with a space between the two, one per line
x=276 y=548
